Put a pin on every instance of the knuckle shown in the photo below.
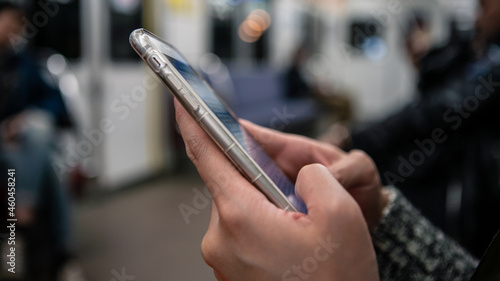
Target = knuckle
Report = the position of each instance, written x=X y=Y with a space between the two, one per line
x=208 y=249
x=195 y=149
x=333 y=208
x=231 y=216
x=346 y=208
x=359 y=154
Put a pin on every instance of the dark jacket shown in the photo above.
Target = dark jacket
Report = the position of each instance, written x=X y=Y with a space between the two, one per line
x=22 y=86
x=449 y=136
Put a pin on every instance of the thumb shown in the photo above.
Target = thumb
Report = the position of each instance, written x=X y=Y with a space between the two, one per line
x=319 y=190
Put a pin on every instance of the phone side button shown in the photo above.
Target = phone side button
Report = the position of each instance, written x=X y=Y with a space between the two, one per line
x=193 y=104
x=226 y=151
x=155 y=61
x=255 y=179
x=175 y=82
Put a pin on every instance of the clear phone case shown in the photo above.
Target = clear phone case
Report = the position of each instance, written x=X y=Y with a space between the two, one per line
x=216 y=119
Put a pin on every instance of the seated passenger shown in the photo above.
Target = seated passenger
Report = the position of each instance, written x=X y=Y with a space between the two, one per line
x=30 y=112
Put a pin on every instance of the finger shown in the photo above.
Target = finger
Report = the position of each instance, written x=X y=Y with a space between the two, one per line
x=272 y=141
x=220 y=176
x=219 y=276
x=319 y=190
x=355 y=170
x=211 y=249
x=292 y=152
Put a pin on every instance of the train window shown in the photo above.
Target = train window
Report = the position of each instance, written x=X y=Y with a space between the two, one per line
x=366 y=38
x=56 y=25
x=314 y=31
x=239 y=29
x=222 y=34
x=261 y=48
x=125 y=16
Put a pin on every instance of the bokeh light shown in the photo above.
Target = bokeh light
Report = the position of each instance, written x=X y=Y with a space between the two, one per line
x=256 y=23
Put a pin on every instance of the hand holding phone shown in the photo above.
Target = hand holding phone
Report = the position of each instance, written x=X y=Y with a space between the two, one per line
x=250 y=239
x=216 y=119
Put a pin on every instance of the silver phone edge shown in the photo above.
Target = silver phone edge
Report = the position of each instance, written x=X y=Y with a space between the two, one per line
x=212 y=126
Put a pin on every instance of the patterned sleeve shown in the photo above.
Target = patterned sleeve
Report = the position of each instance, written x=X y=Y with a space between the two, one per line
x=409 y=247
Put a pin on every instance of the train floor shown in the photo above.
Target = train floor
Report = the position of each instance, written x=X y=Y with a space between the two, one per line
x=140 y=233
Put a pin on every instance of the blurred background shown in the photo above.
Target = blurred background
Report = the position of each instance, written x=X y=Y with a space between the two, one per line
x=136 y=209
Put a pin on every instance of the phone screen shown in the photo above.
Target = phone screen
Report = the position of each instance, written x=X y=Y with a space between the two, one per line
x=231 y=123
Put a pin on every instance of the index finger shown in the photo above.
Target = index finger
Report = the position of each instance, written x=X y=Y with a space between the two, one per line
x=221 y=177
x=292 y=152
x=355 y=170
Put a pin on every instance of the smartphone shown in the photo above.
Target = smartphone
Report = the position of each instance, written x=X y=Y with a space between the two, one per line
x=216 y=119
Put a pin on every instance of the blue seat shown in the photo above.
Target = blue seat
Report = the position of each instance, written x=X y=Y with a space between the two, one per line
x=259 y=97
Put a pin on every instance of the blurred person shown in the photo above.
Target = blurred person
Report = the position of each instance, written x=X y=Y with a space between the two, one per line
x=447 y=62
x=446 y=144
x=355 y=229
x=30 y=112
x=336 y=105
